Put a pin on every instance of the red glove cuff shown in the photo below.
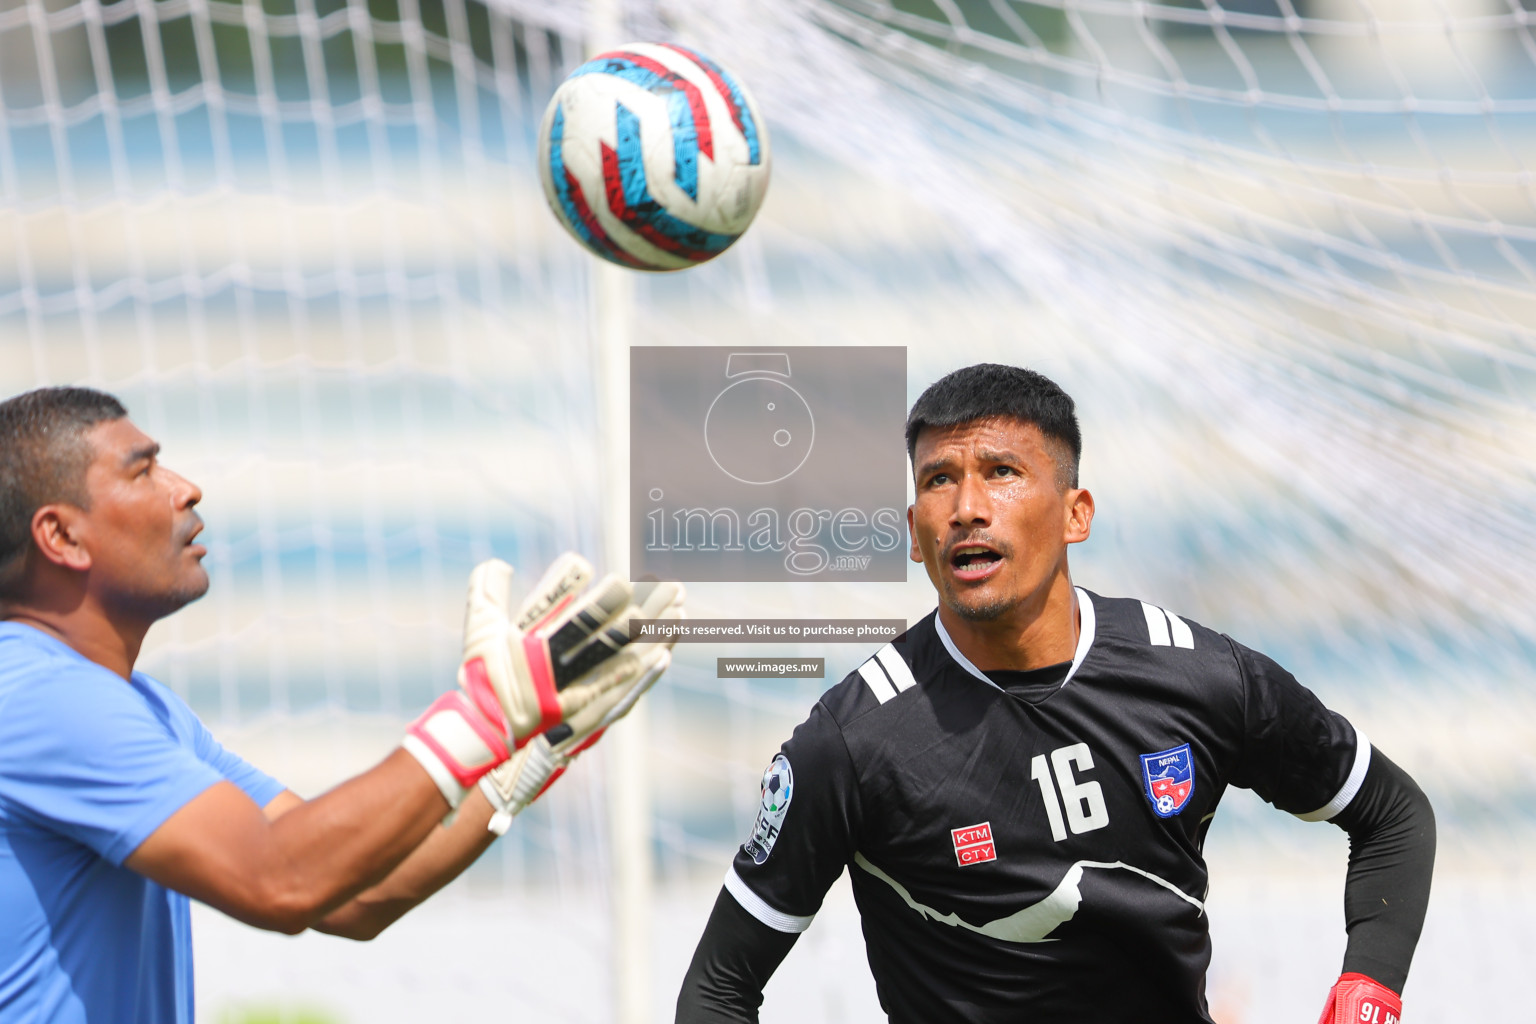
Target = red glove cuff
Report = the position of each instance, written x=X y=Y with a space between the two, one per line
x=1356 y=999
x=456 y=744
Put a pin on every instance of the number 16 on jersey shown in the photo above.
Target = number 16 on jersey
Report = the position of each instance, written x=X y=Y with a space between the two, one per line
x=1084 y=801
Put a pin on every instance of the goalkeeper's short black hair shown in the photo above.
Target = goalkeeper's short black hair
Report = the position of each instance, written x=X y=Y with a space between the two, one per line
x=44 y=455
x=988 y=390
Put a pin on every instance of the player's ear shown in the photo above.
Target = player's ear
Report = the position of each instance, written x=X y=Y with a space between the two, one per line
x=1079 y=509
x=57 y=530
x=915 y=553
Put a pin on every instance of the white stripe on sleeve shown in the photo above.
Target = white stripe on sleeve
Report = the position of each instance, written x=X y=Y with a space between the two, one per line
x=752 y=903
x=1351 y=785
x=896 y=668
x=875 y=679
x=1182 y=636
x=1157 y=624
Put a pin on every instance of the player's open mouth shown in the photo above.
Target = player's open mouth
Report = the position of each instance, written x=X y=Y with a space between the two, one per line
x=197 y=550
x=974 y=562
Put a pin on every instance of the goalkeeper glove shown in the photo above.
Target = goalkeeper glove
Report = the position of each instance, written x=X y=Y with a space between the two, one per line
x=1356 y=999
x=520 y=781
x=522 y=673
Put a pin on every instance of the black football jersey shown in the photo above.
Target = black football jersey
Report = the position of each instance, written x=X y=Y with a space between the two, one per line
x=1034 y=853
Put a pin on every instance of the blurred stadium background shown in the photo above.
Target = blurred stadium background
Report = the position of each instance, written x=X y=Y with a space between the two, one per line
x=1281 y=251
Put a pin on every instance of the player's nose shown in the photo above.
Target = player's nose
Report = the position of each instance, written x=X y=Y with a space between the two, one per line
x=185 y=493
x=972 y=503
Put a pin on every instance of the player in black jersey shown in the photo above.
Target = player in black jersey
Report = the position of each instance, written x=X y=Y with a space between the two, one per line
x=1020 y=785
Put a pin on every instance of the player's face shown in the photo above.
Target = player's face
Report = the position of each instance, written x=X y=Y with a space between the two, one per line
x=140 y=527
x=990 y=523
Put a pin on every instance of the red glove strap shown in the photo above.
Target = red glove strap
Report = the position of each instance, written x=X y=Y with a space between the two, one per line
x=467 y=751
x=541 y=673
x=1356 y=999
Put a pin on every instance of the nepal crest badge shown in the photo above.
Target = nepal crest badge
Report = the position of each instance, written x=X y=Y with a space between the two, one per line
x=1169 y=776
x=778 y=788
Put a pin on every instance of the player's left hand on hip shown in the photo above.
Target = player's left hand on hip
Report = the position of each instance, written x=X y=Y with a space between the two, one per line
x=521 y=780
x=1356 y=999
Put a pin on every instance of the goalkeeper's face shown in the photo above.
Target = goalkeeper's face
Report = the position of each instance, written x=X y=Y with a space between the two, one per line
x=991 y=522
x=140 y=528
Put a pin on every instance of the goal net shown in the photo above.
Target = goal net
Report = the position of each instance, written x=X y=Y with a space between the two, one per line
x=1281 y=252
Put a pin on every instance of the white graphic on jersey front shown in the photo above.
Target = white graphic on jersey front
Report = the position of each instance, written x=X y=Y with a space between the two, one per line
x=1035 y=922
x=778 y=789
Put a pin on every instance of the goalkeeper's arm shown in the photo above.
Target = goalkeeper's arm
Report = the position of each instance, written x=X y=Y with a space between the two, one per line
x=563 y=656
x=287 y=874
x=507 y=789
x=1391 y=830
x=447 y=851
x=737 y=954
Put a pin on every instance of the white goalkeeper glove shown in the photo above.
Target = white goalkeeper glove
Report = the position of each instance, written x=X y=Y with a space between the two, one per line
x=521 y=780
x=522 y=674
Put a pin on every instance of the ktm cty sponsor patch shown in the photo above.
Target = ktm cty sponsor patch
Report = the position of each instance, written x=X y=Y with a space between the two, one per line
x=973 y=844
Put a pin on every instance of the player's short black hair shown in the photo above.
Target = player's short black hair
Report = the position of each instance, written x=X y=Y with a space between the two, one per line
x=992 y=389
x=43 y=458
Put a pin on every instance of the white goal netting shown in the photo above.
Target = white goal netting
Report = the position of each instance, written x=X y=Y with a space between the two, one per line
x=1283 y=252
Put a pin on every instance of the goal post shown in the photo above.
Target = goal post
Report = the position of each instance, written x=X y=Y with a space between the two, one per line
x=626 y=746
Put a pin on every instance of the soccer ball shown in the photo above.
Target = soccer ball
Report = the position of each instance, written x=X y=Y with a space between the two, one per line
x=653 y=157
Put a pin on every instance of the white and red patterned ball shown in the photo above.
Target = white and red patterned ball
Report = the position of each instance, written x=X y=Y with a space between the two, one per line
x=653 y=156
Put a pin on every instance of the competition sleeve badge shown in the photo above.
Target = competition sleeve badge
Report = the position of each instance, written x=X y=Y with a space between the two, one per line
x=1169 y=776
x=778 y=788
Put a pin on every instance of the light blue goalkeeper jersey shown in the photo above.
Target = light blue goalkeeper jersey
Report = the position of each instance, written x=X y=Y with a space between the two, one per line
x=90 y=765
